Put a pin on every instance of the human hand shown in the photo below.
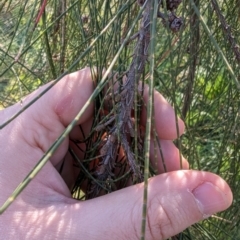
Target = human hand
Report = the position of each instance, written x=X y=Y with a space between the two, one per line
x=45 y=209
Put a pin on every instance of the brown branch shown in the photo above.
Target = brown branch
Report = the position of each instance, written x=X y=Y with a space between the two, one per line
x=40 y=13
x=193 y=53
x=227 y=30
x=120 y=132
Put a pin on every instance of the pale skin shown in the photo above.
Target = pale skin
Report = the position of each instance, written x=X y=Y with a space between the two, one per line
x=45 y=209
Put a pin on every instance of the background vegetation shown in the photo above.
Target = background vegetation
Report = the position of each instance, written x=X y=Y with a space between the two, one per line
x=197 y=70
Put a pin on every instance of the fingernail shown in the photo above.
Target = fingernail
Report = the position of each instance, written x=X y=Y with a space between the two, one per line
x=210 y=199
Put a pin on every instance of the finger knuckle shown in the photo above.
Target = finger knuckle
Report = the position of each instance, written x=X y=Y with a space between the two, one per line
x=159 y=220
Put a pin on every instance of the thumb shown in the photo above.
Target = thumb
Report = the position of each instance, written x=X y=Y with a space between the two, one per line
x=176 y=200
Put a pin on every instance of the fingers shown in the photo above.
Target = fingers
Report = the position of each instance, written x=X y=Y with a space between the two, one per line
x=176 y=200
x=40 y=125
x=165 y=123
x=59 y=107
x=68 y=96
x=167 y=157
x=165 y=120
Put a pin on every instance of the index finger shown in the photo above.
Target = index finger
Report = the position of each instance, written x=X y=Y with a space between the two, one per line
x=165 y=119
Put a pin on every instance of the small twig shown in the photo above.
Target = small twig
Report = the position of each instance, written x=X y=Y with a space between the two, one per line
x=227 y=30
x=193 y=52
x=63 y=37
x=41 y=10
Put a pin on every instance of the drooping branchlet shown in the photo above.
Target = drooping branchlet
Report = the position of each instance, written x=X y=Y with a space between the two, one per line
x=175 y=22
x=119 y=129
x=172 y=4
x=141 y=2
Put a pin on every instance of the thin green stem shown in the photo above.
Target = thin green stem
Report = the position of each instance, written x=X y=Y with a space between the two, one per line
x=153 y=21
x=48 y=48
x=216 y=45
